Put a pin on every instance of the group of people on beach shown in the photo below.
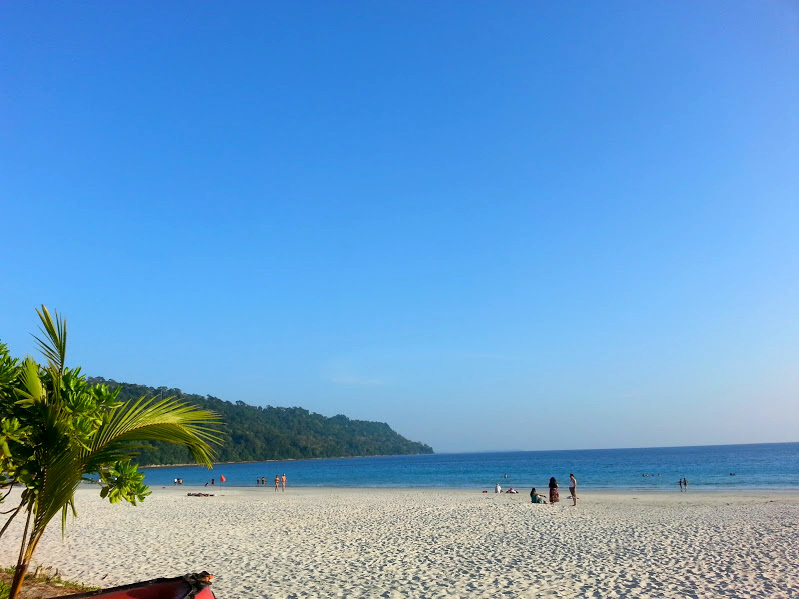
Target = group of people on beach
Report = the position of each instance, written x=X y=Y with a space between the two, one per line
x=554 y=491
x=261 y=481
x=683 y=484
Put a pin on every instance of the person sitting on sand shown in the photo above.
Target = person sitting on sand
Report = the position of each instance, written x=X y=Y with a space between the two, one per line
x=536 y=497
x=554 y=494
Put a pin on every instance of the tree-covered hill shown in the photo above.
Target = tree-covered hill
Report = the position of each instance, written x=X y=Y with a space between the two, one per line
x=254 y=433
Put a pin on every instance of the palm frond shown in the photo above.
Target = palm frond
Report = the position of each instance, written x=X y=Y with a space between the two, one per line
x=54 y=346
x=63 y=472
x=32 y=388
x=157 y=420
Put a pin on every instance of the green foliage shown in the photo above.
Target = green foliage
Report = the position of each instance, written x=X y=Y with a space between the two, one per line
x=44 y=583
x=272 y=433
x=58 y=429
x=123 y=482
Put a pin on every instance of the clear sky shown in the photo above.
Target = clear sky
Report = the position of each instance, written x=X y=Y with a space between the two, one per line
x=494 y=225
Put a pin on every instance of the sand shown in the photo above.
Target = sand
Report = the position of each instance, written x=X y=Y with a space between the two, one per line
x=436 y=543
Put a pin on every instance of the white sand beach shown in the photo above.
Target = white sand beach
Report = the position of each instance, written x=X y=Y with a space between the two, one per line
x=436 y=543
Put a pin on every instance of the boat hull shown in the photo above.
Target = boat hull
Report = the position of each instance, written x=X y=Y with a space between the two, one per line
x=196 y=586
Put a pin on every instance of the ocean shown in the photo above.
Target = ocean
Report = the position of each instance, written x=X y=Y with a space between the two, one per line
x=768 y=466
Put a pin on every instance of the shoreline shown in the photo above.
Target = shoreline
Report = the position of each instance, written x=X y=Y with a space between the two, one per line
x=479 y=490
x=343 y=457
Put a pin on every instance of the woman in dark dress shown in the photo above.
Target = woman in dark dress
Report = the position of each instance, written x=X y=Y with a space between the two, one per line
x=554 y=494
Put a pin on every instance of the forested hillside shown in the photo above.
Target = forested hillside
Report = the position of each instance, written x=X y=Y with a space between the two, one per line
x=255 y=433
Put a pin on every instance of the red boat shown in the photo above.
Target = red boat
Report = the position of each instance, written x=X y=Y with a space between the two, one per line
x=195 y=586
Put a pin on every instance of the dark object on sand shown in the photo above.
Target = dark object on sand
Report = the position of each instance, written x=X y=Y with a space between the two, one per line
x=181 y=587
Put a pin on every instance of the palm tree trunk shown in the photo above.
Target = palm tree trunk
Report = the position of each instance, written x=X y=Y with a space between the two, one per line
x=11 y=517
x=24 y=559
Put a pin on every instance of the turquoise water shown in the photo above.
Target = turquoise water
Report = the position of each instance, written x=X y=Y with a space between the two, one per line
x=770 y=466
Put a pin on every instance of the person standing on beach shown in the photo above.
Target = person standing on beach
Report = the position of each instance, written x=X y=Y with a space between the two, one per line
x=680 y=483
x=554 y=493
x=573 y=488
x=283 y=481
x=263 y=481
x=277 y=481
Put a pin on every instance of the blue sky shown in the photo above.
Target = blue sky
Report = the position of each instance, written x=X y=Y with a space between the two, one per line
x=509 y=225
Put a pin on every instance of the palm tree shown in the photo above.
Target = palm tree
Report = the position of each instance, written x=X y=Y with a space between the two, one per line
x=58 y=430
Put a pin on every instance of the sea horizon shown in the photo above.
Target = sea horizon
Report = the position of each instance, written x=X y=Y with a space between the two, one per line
x=476 y=452
x=737 y=466
x=613 y=448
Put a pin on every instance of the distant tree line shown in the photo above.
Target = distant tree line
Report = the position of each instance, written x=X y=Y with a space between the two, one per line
x=255 y=433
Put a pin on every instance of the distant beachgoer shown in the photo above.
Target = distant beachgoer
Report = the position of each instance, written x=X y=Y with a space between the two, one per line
x=497 y=489
x=536 y=497
x=573 y=488
x=212 y=482
x=680 y=483
x=685 y=483
x=506 y=475
x=277 y=482
x=257 y=481
x=554 y=493
x=206 y=484
x=176 y=481
x=283 y=480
